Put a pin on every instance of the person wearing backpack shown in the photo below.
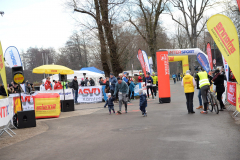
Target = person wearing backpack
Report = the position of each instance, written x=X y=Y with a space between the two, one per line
x=75 y=88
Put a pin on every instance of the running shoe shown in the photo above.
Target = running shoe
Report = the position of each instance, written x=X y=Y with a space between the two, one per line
x=204 y=112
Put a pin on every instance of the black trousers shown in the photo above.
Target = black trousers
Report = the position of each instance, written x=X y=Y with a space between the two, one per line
x=189 y=97
x=219 y=97
x=154 y=88
x=149 y=87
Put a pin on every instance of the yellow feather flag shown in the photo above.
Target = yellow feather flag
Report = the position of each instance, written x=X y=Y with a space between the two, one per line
x=2 y=69
x=225 y=36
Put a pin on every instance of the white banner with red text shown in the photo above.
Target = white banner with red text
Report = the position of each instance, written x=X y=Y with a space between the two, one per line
x=6 y=111
x=90 y=94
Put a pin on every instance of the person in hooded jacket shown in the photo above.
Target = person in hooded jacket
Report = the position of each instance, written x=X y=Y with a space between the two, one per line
x=131 y=89
x=220 y=89
x=189 y=83
x=47 y=84
x=92 y=83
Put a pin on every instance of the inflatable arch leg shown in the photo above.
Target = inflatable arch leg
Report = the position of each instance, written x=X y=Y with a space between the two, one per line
x=184 y=59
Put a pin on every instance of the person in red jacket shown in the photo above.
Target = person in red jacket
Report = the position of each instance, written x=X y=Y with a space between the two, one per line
x=58 y=85
x=48 y=84
x=140 y=78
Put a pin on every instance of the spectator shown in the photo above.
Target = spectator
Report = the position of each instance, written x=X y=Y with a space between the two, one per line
x=92 y=83
x=140 y=79
x=131 y=88
x=29 y=88
x=82 y=82
x=101 y=81
x=42 y=88
x=58 y=85
x=47 y=84
x=112 y=83
x=107 y=85
x=86 y=81
x=75 y=88
x=10 y=89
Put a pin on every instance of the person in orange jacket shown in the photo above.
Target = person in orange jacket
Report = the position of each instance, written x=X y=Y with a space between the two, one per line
x=48 y=84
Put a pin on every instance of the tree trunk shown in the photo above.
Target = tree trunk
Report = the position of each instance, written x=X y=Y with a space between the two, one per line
x=102 y=41
x=109 y=35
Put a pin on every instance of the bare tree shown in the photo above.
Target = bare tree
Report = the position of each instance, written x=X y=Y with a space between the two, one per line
x=150 y=10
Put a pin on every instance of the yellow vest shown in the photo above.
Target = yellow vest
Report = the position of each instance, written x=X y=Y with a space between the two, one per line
x=203 y=79
x=188 y=84
x=155 y=79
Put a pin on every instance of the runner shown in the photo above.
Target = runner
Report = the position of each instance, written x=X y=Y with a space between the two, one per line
x=155 y=84
x=122 y=89
x=148 y=83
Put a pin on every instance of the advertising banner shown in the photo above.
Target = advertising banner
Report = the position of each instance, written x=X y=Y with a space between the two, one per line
x=225 y=36
x=163 y=74
x=231 y=93
x=3 y=70
x=5 y=112
x=47 y=105
x=238 y=98
x=90 y=94
x=184 y=59
x=209 y=53
x=147 y=66
x=150 y=64
x=68 y=93
x=12 y=57
x=203 y=61
x=226 y=67
x=141 y=59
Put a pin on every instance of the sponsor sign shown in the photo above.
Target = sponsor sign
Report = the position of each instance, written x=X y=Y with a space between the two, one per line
x=5 y=112
x=231 y=93
x=238 y=2
x=209 y=53
x=226 y=67
x=90 y=94
x=68 y=93
x=202 y=59
x=141 y=59
x=47 y=105
x=163 y=74
x=238 y=98
x=2 y=69
x=12 y=57
x=18 y=78
x=225 y=36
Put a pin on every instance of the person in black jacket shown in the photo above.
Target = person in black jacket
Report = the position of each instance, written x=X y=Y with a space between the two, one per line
x=219 y=82
x=92 y=83
x=75 y=88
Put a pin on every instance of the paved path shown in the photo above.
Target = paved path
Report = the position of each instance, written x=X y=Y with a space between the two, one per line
x=168 y=133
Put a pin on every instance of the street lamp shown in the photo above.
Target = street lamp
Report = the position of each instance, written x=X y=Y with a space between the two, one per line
x=2 y=13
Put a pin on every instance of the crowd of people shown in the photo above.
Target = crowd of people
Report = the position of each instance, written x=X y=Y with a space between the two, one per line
x=202 y=80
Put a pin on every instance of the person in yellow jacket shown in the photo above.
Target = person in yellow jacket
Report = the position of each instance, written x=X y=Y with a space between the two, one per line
x=155 y=84
x=188 y=82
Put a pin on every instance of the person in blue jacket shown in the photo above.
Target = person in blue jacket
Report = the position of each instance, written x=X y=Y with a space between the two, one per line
x=174 y=77
x=143 y=102
x=110 y=104
x=131 y=88
x=148 y=83
x=112 y=82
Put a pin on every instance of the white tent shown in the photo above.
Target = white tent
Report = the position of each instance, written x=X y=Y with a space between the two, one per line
x=95 y=76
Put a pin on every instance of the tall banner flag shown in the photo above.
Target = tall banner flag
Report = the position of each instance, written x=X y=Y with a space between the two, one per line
x=225 y=36
x=141 y=59
x=209 y=52
x=238 y=2
x=150 y=64
x=12 y=57
x=202 y=59
x=3 y=70
x=147 y=66
x=226 y=67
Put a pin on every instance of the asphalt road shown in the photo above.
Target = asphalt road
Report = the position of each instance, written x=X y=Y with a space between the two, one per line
x=168 y=133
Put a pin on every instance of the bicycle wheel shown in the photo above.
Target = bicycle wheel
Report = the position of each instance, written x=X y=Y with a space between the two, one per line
x=210 y=102
x=216 y=109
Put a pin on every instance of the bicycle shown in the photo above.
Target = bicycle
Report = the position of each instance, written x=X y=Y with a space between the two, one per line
x=213 y=102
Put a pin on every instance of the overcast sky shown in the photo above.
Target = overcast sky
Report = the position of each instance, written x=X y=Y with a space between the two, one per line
x=42 y=23
x=34 y=23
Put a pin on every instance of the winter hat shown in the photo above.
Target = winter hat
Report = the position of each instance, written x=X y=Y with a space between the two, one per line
x=188 y=72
